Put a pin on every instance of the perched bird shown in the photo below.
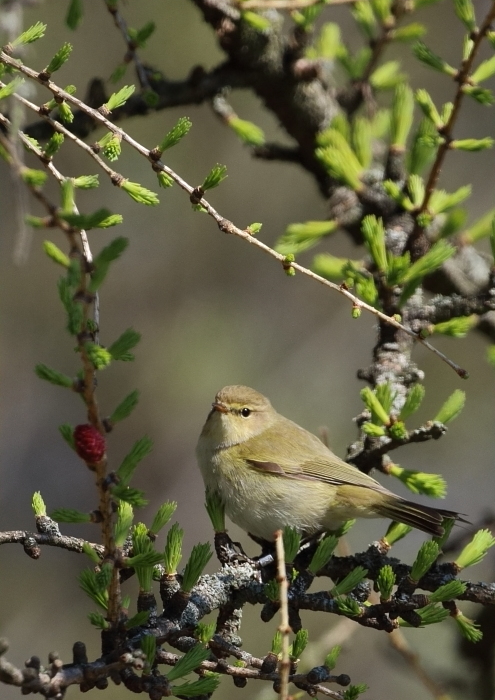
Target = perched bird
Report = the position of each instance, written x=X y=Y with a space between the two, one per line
x=269 y=472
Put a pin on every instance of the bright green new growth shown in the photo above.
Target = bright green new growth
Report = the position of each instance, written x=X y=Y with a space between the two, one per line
x=292 y=542
x=205 y=631
x=204 y=687
x=338 y=157
x=333 y=268
x=148 y=646
x=248 y=132
x=103 y=260
x=362 y=142
x=54 y=143
x=119 y=349
x=379 y=415
x=374 y=236
x=276 y=646
x=362 y=12
x=452 y=407
x=65 y=113
x=323 y=553
x=272 y=590
x=164 y=179
x=354 y=691
x=99 y=357
x=449 y=591
x=431 y=261
x=472 y=145
x=134 y=497
x=98 y=621
x=175 y=134
x=30 y=35
x=66 y=292
x=386 y=76
x=137 y=620
x=424 y=146
x=141 y=36
x=74 y=14
x=10 y=88
x=91 y=553
x=95 y=585
x=402 y=116
x=67 y=515
x=117 y=99
x=431 y=614
x=349 y=583
x=456 y=327
x=139 y=194
x=413 y=401
x=373 y=430
x=396 y=532
x=216 y=511
x=426 y=557
x=256 y=21
x=194 y=658
x=428 y=108
x=86 y=182
x=447 y=524
x=52 y=376
x=99 y=219
x=255 y=228
x=173 y=549
x=348 y=607
x=125 y=408
x=431 y=59
x=214 y=177
x=441 y=200
x=162 y=517
x=332 y=656
x=468 y=628
x=124 y=521
x=139 y=451
x=302 y=236
x=299 y=644
x=55 y=254
x=464 y=10
x=200 y=556
x=38 y=505
x=385 y=582
x=433 y=485
x=59 y=59
x=142 y=547
x=33 y=177
x=475 y=551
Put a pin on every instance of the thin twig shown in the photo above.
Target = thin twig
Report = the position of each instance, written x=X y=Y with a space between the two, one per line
x=284 y=627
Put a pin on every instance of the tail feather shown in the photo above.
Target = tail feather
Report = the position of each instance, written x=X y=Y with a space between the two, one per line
x=416 y=515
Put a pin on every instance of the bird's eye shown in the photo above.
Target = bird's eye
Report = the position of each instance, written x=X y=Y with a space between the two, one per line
x=245 y=412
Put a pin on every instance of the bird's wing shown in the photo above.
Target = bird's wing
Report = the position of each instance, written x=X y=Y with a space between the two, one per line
x=271 y=454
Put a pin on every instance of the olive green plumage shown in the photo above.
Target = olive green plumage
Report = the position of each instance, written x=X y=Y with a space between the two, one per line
x=269 y=472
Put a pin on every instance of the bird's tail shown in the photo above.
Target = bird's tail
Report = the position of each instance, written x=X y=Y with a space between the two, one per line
x=416 y=515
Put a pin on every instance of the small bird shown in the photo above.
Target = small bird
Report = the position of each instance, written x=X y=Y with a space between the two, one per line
x=269 y=473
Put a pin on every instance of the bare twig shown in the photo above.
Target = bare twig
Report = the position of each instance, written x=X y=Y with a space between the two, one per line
x=284 y=627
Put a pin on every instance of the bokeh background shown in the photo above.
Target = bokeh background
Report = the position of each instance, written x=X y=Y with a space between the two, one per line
x=212 y=311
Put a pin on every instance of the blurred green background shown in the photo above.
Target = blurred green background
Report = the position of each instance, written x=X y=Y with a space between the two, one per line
x=212 y=311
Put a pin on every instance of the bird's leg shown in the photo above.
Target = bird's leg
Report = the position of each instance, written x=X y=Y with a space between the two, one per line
x=229 y=552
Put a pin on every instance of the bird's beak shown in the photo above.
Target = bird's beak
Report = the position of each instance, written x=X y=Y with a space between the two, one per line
x=221 y=407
